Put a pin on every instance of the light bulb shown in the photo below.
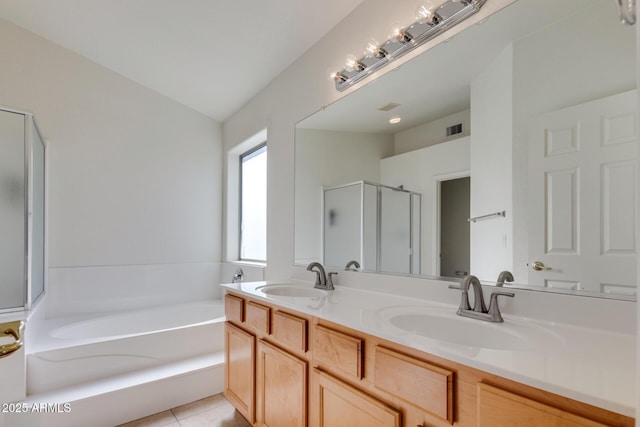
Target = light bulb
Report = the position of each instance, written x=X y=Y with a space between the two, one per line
x=425 y=12
x=353 y=64
x=373 y=49
x=335 y=76
x=397 y=32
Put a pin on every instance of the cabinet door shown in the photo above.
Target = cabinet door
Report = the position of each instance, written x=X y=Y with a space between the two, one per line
x=340 y=405
x=281 y=388
x=500 y=408
x=239 y=374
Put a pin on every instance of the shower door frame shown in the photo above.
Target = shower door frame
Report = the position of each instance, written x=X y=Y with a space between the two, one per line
x=29 y=125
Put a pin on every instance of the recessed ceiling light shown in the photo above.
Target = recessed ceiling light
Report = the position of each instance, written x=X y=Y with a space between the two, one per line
x=395 y=120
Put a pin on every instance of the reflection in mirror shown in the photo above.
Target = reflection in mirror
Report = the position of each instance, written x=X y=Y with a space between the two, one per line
x=372 y=226
x=531 y=113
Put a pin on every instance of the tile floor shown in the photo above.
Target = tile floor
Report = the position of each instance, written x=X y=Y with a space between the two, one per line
x=213 y=411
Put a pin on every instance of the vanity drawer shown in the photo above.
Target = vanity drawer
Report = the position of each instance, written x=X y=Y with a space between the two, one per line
x=337 y=351
x=419 y=383
x=498 y=408
x=290 y=330
x=234 y=308
x=258 y=317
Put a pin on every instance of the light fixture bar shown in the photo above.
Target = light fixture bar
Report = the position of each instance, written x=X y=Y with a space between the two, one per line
x=627 y=9
x=448 y=15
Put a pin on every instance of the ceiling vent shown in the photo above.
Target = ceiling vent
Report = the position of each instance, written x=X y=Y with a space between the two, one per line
x=390 y=106
x=454 y=130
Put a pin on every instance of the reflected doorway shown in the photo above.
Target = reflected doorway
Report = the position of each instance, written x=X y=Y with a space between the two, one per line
x=455 y=230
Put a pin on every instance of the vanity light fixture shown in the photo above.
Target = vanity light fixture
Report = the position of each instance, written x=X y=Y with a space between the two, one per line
x=627 y=10
x=432 y=18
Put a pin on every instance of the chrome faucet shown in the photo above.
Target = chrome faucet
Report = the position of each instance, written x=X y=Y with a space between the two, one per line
x=352 y=265
x=238 y=276
x=479 y=311
x=321 y=276
x=504 y=276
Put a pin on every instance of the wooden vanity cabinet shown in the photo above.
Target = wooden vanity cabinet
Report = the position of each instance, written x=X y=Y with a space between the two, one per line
x=267 y=366
x=289 y=369
x=239 y=377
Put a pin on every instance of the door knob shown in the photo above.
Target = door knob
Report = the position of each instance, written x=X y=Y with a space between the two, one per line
x=539 y=266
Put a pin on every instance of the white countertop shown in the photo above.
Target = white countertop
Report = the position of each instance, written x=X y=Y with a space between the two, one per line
x=589 y=365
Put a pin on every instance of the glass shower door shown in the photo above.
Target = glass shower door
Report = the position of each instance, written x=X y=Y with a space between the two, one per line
x=395 y=231
x=342 y=225
x=12 y=209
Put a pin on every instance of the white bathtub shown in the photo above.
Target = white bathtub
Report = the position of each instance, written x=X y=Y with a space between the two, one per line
x=142 y=321
x=63 y=353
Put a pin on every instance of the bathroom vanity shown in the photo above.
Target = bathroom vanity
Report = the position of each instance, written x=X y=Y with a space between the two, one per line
x=298 y=356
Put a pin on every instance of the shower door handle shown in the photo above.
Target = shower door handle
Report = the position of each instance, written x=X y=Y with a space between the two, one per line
x=15 y=330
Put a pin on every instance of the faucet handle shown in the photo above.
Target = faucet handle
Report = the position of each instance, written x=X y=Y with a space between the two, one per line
x=464 y=298
x=494 y=310
x=330 y=280
x=502 y=293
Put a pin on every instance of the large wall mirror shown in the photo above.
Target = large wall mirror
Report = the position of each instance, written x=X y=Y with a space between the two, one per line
x=516 y=150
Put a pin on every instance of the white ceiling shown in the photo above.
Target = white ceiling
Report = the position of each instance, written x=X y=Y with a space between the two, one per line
x=211 y=55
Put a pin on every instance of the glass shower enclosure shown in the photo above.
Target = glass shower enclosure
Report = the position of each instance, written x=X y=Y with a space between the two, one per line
x=375 y=225
x=22 y=211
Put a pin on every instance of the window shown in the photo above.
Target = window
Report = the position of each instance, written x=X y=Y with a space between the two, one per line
x=253 y=204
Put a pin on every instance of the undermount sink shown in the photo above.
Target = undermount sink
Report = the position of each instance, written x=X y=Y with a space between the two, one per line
x=294 y=291
x=444 y=326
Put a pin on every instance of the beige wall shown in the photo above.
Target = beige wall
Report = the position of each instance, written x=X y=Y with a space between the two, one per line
x=135 y=178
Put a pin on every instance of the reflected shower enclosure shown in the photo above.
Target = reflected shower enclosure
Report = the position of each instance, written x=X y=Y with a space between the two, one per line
x=22 y=211
x=376 y=225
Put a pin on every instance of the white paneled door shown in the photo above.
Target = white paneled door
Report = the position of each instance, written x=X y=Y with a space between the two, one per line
x=582 y=196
